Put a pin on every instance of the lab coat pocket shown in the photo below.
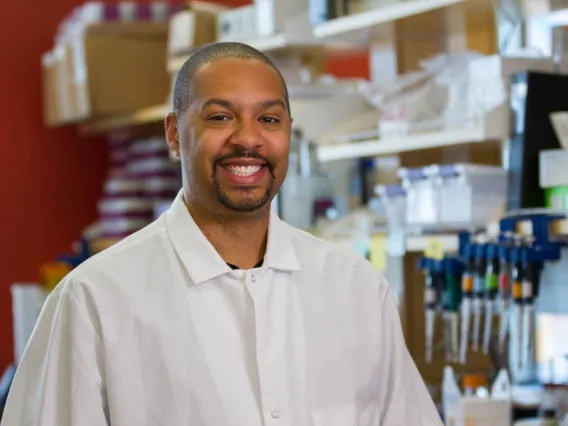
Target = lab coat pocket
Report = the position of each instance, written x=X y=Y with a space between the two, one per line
x=346 y=415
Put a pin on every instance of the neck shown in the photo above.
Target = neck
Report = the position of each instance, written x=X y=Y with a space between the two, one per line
x=240 y=241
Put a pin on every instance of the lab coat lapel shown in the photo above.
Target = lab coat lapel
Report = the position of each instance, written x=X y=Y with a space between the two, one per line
x=197 y=254
x=200 y=258
x=280 y=251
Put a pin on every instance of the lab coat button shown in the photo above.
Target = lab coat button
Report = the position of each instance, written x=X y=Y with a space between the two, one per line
x=275 y=414
x=253 y=278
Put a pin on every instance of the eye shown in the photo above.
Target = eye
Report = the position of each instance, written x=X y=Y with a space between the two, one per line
x=218 y=117
x=269 y=120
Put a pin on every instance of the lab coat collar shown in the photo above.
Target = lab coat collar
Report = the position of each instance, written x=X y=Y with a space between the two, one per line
x=200 y=258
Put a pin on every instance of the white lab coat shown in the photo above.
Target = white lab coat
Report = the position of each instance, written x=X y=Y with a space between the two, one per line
x=159 y=331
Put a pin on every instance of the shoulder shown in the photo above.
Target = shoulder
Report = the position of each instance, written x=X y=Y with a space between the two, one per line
x=117 y=264
x=334 y=259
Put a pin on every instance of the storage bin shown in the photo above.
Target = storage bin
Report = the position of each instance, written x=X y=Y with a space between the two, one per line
x=469 y=194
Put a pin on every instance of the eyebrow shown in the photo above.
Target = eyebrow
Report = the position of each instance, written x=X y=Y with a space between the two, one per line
x=230 y=105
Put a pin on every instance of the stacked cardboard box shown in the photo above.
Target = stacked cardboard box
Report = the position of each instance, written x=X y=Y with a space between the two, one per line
x=107 y=60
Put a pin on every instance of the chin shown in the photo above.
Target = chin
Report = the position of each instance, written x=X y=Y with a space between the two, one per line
x=245 y=203
x=241 y=206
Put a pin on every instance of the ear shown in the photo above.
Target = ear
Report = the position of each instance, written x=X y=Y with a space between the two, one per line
x=172 y=134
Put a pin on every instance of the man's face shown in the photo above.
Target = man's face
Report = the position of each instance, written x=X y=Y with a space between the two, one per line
x=235 y=136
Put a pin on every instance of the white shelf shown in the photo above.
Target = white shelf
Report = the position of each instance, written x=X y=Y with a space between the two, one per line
x=278 y=43
x=366 y=20
x=281 y=44
x=394 y=145
x=141 y=117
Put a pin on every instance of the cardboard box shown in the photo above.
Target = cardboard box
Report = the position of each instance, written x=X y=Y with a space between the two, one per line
x=51 y=114
x=57 y=105
x=111 y=69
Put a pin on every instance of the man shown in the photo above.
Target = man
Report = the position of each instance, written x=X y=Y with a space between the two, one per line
x=220 y=314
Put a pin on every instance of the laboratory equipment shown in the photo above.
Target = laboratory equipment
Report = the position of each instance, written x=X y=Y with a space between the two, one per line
x=491 y=288
x=532 y=132
x=430 y=268
x=442 y=291
x=517 y=277
x=527 y=259
x=528 y=293
x=480 y=404
x=475 y=385
x=451 y=297
x=511 y=269
x=304 y=185
x=469 y=194
x=454 y=195
x=479 y=292
x=504 y=291
x=421 y=196
x=468 y=253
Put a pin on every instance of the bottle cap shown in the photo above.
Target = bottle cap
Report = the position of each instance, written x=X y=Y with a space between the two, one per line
x=474 y=381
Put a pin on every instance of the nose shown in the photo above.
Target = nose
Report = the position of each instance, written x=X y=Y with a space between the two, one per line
x=246 y=134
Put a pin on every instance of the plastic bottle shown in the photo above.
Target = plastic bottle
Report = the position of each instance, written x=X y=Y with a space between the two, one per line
x=451 y=397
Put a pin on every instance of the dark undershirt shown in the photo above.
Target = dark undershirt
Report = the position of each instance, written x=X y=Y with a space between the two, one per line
x=235 y=267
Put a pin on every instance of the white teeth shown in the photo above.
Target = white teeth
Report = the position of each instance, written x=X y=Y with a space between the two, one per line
x=243 y=170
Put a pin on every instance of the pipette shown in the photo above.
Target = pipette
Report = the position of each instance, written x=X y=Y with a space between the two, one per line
x=451 y=301
x=532 y=257
x=491 y=289
x=430 y=302
x=467 y=293
x=528 y=311
x=529 y=293
x=479 y=292
x=504 y=293
x=517 y=274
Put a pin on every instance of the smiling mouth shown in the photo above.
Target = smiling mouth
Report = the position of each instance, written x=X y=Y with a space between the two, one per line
x=243 y=171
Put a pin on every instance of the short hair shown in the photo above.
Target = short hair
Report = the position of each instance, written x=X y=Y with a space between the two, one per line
x=184 y=91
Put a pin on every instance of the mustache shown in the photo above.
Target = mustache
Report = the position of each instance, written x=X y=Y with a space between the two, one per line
x=218 y=161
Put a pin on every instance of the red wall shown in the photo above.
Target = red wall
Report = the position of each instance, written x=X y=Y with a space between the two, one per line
x=50 y=179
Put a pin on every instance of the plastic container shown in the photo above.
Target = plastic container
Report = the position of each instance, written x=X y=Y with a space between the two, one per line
x=468 y=194
x=421 y=196
x=492 y=408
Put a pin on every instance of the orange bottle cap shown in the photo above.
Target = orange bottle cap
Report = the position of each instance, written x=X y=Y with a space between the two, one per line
x=474 y=381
